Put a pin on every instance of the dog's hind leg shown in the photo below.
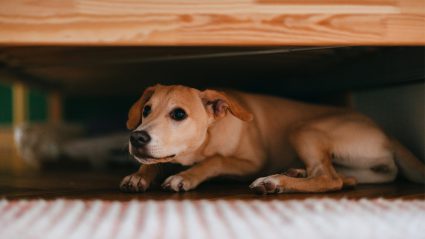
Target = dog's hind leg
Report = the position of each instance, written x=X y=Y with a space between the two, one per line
x=377 y=174
x=313 y=148
x=371 y=162
x=347 y=181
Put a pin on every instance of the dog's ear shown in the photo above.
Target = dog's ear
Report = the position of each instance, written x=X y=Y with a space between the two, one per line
x=218 y=103
x=135 y=112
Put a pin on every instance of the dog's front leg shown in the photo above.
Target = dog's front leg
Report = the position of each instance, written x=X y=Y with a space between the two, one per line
x=209 y=168
x=140 y=180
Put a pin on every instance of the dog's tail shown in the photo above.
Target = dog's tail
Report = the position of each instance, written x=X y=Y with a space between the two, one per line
x=410 y=166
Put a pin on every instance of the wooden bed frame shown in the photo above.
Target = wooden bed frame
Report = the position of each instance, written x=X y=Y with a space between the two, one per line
x=211 y=22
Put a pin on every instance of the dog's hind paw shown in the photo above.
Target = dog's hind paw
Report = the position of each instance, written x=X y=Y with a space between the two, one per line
x=134 y=183
x=178 y=183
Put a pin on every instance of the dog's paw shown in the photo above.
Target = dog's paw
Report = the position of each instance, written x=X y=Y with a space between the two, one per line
x=134 y=183
x=178 y=183
x=268 y=185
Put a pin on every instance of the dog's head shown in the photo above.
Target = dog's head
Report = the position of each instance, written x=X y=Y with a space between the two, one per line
x=168 y=122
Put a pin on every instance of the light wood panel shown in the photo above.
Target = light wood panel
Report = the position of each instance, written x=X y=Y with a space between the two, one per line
x=212 y=22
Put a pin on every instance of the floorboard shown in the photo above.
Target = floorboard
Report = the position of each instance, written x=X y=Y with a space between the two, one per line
x=96 y=185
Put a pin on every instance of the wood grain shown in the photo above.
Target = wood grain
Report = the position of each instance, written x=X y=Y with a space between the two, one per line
x=190 y=22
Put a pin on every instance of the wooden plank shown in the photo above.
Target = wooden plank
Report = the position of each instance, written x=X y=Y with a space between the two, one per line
x=20 y=106
x=78 y=184
x=55 y=107
x=208 y=22
x=10 y=161
x=53 y=56
x=388 y=67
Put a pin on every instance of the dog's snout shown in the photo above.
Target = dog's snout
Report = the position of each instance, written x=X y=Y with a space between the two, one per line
x=139 y=138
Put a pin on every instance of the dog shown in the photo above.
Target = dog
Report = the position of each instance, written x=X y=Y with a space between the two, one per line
x=243 y=135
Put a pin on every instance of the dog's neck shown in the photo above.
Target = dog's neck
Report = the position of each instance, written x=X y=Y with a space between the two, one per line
x=226 y=129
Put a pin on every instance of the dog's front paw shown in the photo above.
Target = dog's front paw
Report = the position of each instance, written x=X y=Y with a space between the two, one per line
x=134 y=183
x=269 y=184
x=178 y=183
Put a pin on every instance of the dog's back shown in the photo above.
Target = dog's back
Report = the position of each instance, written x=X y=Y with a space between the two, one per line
x=275 y=117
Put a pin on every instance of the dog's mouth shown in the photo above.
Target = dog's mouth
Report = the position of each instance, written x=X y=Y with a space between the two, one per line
x=149 y=159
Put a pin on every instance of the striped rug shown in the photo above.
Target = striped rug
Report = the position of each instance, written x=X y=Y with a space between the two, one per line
x=313 y=218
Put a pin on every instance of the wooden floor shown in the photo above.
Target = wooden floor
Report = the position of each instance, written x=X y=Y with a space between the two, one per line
x=77 y=185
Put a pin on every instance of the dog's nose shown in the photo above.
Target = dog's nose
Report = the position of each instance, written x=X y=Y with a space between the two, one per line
x=139 y=138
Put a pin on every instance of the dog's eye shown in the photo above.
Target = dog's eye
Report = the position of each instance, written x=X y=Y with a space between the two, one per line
x=146 y=110
x=178 y=114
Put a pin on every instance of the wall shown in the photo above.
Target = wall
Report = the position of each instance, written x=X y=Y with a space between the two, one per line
x=99 y=114
x=400 y=110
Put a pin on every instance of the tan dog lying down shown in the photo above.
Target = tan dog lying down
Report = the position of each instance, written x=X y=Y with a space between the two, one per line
x=248 y=135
